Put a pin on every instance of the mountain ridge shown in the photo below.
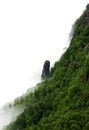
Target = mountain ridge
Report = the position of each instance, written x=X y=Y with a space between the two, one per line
x=61 y=102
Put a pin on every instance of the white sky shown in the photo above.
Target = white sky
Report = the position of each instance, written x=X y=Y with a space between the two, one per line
x=32 y=31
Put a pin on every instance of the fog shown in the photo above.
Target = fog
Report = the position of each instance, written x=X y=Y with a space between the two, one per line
x=30 y=33
x=8 y=114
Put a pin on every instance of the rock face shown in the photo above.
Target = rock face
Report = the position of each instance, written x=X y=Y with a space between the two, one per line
x=46 y=70
x=82 y=22
x=85 y=20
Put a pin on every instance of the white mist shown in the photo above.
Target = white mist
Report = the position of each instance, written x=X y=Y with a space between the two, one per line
x=8 y=114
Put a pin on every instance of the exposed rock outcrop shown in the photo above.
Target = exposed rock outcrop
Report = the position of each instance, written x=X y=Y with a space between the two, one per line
x=85 y=20
x=81 y=22
x=46 y=70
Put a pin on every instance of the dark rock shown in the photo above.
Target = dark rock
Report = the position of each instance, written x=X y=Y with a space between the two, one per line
x=85 y=20
x=46 y=70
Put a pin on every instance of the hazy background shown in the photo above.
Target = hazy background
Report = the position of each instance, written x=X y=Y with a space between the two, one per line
x=32 y=31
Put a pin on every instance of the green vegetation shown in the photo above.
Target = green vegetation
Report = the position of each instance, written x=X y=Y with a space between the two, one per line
x=62 y=101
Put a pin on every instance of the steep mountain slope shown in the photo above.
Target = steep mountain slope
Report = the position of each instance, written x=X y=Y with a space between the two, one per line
x=61 y=102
